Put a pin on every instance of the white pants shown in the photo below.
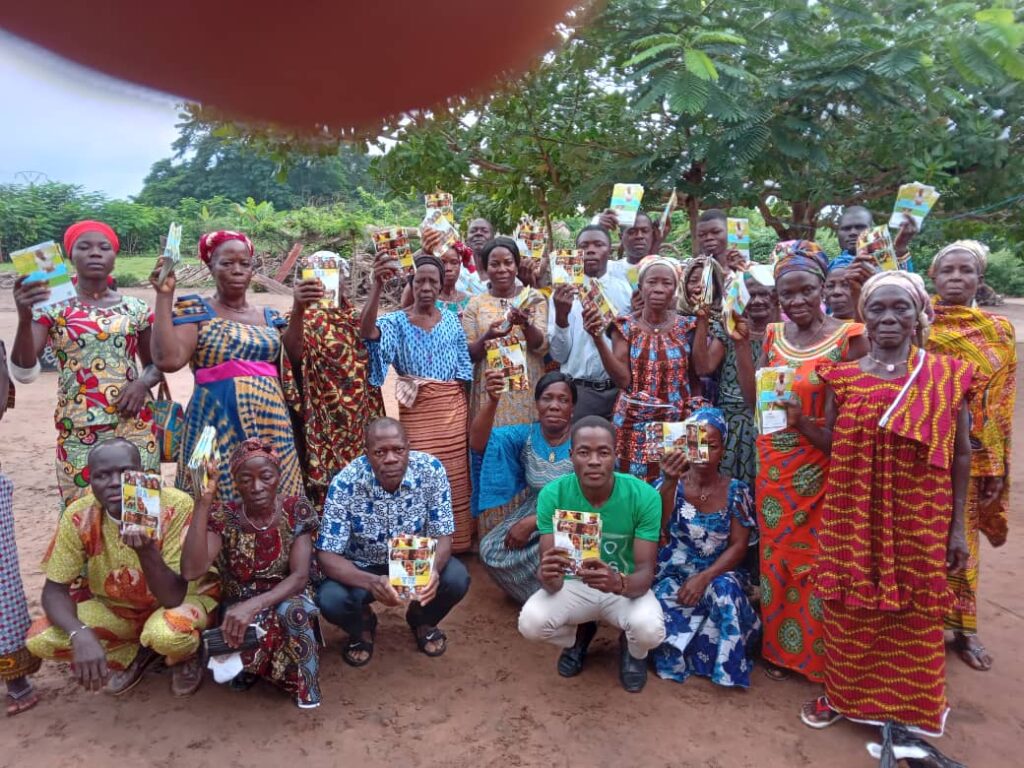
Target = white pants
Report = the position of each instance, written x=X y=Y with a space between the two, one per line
x=554 y=617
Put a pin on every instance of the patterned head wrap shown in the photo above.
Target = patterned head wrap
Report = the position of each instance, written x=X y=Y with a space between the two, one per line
x=654 y=261
x=250 y=448
x=209 y=242
x=762 y=273
x=712 y=417
x=842 y=261
x=978 y=250
x=429 y=259
x=466 y=254
x=79 y=228
x=799 y=256
x=910 y=282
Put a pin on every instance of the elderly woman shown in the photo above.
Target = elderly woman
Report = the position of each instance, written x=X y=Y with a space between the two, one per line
x=337 y=400
x=457 y=260
x=987 y=342
x=427 y=347
x=649 y=361
x=792 y=470
x=517 y=458
x=262 y=544
x=708 y=518
x=892 y=526
x=234 y=349
x=102 y=343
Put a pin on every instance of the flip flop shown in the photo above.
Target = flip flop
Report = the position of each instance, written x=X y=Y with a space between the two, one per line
x=817 y=714
x=775 y=672
x=973 y=657
x=435 y=635
x=23 y=703
x=358 y=645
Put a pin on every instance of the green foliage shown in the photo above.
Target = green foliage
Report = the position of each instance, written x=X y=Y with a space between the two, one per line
x=1004 y=273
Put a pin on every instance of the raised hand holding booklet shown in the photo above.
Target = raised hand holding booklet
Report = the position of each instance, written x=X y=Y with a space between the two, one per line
x=508 y=355
x=395 y=242
x=877 y=243
x=533 y=235
x=567 y=267
x=592 y=294
x=579 y=534
x=172 y=252
x=326 y=269
x=914 y=199
x=140 y=502
x=737 y=296
x=43 y=263
x=626 y=202
x=206 y=449
x=774 y=386
x=738 y=236
x=436 y=220
x=410 y=564
x=443 y=202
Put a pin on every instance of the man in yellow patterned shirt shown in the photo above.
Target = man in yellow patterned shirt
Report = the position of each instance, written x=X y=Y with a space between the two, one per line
x=140 y=607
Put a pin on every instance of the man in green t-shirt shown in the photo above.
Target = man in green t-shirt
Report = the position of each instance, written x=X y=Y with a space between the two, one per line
x=615 y=587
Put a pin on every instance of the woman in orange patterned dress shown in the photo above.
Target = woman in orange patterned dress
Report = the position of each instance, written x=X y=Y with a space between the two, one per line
x=791 y=470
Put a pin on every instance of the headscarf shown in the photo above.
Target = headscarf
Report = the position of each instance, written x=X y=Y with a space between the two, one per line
x=910 y=282
x=342 y=263
x=250 y=448
x=799 y=256
x=978 y=250
x=79 y=228
x=431 y=260
x=209 y=242
x=712 y=417
x=654 y=261
x=466 y=254
x=762 y=273
x=842 y=261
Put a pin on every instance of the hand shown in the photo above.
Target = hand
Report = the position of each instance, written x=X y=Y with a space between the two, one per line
x=519 y=534
x=494 y=384
x=431 y=240
x=735 y=261
x=497 y=329
x=236 y=620
x=385 y=268
x=956 y=553
x=907 y=232
x=858 y=272
x=693 y=589
x=520 y=317
x=529 y=268
x=429 y=592
x=600 y=576
x=554 y=564
x=212 y=479
x=674 y=464
x=593 y=323
x=26 y=295
x=794 y=410
x=166 y=288
x=132 y=398
x=990 y=491
x=383 y=592
x=307 y=292
x=89 y=665
x=609 y=220
x=563 y=297
x=135 y=537
x=741 y=329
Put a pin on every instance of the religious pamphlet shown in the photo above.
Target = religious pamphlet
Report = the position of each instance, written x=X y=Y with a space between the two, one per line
x=736 y=299
x=626 y=202
x=172 y=252
x=443 y=202
x=140 y=502
x=326 y=269
x=579 y=534
x=591 y=293
x=774 y=386
x=508 y=355
x=914 y=199
x=877 y=243
x=410 y=564
x=670 y=206
x=43 y=263
x=567 y=267
x=739 y=236
x=395 y=242
x=206 y=449
x=532 y=233
x=435 y=219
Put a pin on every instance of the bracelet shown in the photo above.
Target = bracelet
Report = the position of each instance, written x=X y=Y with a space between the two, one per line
x=72 y=633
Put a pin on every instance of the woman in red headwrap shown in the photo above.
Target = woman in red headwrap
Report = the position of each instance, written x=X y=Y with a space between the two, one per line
x=101 y=341
x=235 y=351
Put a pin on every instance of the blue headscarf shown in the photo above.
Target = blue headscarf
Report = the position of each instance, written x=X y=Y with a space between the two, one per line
x=842 y=261
x=713 y=417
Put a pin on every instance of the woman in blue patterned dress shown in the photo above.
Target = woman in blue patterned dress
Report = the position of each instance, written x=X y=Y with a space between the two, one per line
x=515 y=458
x=709 y=521
x=235 y=350
x=427 y=348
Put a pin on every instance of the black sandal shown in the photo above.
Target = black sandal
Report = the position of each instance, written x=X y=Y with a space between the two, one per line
x=435 y=635
x=570 y=663
x=358 y=645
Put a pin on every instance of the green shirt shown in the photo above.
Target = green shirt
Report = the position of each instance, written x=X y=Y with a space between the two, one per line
x=633 y=511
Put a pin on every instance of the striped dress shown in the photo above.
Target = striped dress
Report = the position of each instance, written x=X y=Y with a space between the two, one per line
x=247 y=401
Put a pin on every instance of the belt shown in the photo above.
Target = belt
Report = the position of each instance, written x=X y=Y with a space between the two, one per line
x=597 y=386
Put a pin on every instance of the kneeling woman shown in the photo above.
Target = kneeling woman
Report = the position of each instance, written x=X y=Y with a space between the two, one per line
x=711 y=627
x=263 y=548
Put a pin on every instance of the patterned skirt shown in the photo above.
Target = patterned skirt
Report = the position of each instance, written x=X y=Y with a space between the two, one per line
x=289 y=653
x=15 y=660
x=514 y=570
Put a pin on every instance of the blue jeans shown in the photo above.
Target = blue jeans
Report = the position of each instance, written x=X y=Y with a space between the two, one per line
x=343 y=605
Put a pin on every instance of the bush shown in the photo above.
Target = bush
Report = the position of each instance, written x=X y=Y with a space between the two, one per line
x=1005 y=273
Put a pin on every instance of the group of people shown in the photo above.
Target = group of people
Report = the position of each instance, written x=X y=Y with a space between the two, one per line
x=837 y=548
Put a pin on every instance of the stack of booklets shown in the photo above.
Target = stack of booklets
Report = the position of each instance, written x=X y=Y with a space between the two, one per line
x=205 y=450
x=140 y=503
x=626 y=202
x=436 y=220
x=508 y=355
x=877 y=243
x=914 y=199
x=443 y=202
x=326 y=269
x=579 y=534
x=395 y=242
x=43 y=263
x=738 y=236
x=533 y=235
x=410 y=564
x=567 y=267
x=774 y=386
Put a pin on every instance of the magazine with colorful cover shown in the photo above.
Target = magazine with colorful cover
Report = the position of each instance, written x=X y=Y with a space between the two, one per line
x=914 y=199
x=443 y=202
x=739 y=236
x=172 y=252
x=140 y=502
x=737 y=296
x=774 y=386
x=696 y=442
x=395 y=242
x=326 y=269
x=666 y=214
x=205 y=450
x=877 y=243
x=592 y=294
x=508 y=355
x=436 y=220
x=533 y=234
x=567 y=267
x=626 y=202
x=579 y=534
x=43 y=263
x=410 y=564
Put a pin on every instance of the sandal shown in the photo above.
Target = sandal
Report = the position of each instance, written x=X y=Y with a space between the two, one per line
x=972 y=652
x=243 y=681
x=435 y=635
x=22 y=702
x=570 y=663
x=816 y=713
x=359 y=645
x=775 y=672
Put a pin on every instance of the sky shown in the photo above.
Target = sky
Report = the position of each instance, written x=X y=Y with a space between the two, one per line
x=77 y=126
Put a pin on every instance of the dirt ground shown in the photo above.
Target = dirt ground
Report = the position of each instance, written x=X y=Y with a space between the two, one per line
x=493 y=699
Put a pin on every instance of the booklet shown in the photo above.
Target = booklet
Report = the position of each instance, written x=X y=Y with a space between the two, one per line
x=443 y=202
x=326 y=269
x=670 y=206
x=206 y=449
x=914 y=199
x=43 y=263
x=626 y=202
x=663 y=437
x=140 y=502
x=508 y=355
x=567 y=267
x=533 y=235
x=591 y=293
x=774 y=385
x=172 y=252
x=739 y=236
x=707 y=285
x=435 y=219
x=877 y=243
x=736 y=299
x=395 y=242
x=410 y=564
x=579 y=534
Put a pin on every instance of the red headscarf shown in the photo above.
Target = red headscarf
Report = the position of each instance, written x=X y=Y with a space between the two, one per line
x=466 y=254
x=209 y=242
x=250 y=448
x=79 y=228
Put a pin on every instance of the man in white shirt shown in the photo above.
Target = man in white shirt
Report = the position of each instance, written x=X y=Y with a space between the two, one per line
x=571 y=346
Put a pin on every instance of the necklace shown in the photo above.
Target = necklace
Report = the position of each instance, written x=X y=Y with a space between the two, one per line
x=94 y=296
x=889 y=367
x=702 y=493
x=658 y=327
x=253 y=525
